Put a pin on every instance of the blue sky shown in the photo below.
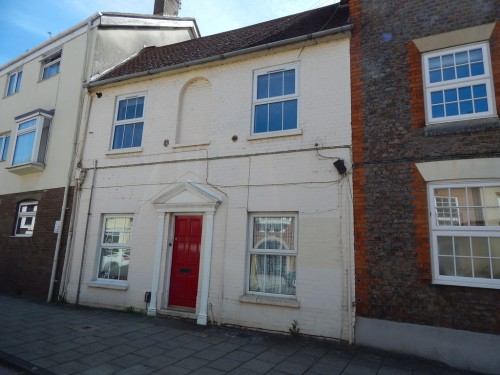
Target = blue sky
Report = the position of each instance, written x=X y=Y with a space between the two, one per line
x=25 y=23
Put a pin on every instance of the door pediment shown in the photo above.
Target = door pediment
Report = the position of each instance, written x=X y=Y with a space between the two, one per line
x=187 y=197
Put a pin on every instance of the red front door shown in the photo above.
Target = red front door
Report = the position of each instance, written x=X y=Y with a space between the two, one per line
x=185 y=261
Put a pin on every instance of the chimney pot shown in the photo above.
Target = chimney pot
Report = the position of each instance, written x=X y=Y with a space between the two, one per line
x=167 y=8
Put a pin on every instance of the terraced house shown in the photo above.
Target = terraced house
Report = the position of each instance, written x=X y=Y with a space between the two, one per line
x=426 y=146
x=216 y=185
x=40 y=112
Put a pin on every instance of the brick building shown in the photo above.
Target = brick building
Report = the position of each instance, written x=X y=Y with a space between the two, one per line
x=426 y=150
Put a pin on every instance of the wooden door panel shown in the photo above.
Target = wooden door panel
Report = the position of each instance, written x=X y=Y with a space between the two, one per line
x=185 y=261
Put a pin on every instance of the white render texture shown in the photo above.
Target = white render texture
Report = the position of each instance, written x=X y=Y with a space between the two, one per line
x=292 y=174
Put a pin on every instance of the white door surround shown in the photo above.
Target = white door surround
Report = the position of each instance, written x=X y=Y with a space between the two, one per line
x=186 y=197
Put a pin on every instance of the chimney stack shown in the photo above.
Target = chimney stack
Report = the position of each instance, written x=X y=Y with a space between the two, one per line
x=167 y=8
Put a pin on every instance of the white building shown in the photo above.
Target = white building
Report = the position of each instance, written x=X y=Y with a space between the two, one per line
x=40 y=111
x=210 y=189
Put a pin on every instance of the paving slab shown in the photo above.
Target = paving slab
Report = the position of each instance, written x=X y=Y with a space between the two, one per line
x=48 y=339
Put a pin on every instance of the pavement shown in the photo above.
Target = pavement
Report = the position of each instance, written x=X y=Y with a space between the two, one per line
x=37 y=338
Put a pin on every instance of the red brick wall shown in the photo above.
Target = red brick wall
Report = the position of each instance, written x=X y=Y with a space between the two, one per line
x=392 y=244
x=26 y=262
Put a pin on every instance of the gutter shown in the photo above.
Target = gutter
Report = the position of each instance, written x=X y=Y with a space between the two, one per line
x=223 y=56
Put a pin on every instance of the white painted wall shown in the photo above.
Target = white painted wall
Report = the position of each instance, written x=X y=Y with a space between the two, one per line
x=285 y=174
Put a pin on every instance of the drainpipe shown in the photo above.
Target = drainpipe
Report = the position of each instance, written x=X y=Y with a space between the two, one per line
x=85 y=235
x=75 y=154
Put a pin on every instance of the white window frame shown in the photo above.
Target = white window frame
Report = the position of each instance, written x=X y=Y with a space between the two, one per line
x=117 y=122
x=23 y=215
x=50 y=61
x=485 y=79
x=255 y=251
x=462 y=230
x=117 y=246
x=18 y=74
x=275 y=99
x=41 y=128
x=4 y=146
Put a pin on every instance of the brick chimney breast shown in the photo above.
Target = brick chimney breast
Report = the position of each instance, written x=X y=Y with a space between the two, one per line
x=167 y=7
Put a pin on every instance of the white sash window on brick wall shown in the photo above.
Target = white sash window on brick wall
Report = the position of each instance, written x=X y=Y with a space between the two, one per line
x=465 y=231
x=458 y=84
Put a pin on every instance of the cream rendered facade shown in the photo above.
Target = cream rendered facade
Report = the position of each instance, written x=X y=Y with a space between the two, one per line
x=88 y=48
x=202 y=159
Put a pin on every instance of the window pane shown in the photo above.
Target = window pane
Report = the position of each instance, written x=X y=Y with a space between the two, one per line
x=275 y=84
x=452 y=109
x=122 y=109
x=495 y=247
x=12 y=84
x=256 y=274
x=24 y=148
x=137 y=139
x=477 y=69
x=5 y=147
x=462 y=246
x=435 y=76
x=476 y=54
x=461 y=58
x=114 y=264
x=127 y=136
x=131 y=105
x=445 y=245
x=481 y=105
x=464 y=267
x=448 y=74
x=275 y=116
x=18 y=81
x=435 y=63
x=482 y=268
x=118 y=137
x=437 y=111
x=463 y=71
x=479 y=91
x=480 y=247
x=450 y=95
x=446 y=266
x=27 y=124
x=437 y=97
x=260 y=125
x=289 y=82
x=263 y=86
x=139 y=111
x=290 y=114
x=448 y=60
x=466 y=107
x=465 y=93
x=495 y=263
x=273 y=274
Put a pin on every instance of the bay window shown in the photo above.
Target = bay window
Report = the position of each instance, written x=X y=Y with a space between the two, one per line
x=31 y=138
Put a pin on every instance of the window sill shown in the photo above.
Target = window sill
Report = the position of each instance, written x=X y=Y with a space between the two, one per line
x=25 y=169
x=465 y=126
x=277 y=134
x=468 y=284
x=117 y=285
x=124 y=151
x=185 y=145
x=266 y=300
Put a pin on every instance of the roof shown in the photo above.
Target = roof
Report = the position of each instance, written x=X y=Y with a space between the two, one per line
x=155 y=59
x=96 y=20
